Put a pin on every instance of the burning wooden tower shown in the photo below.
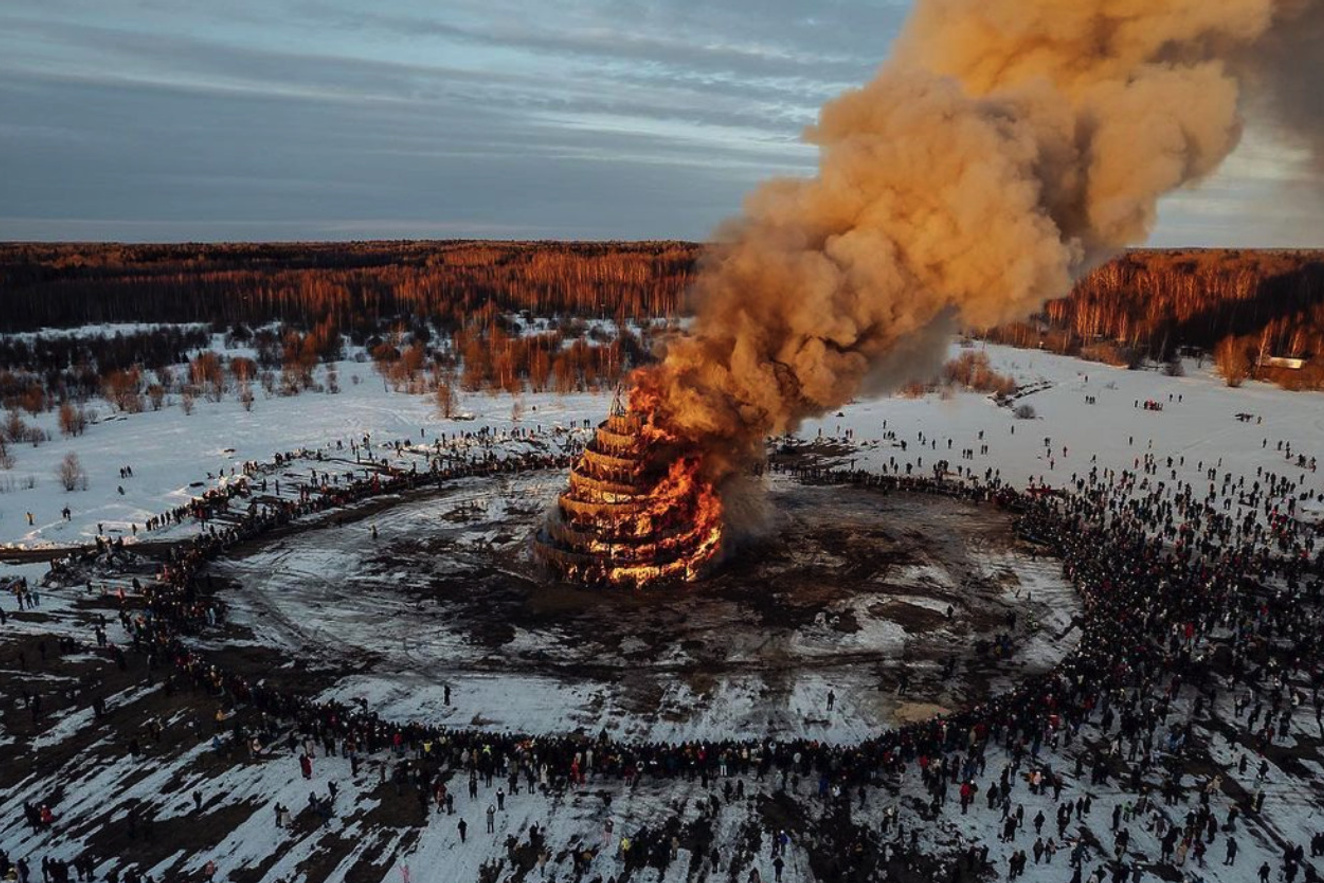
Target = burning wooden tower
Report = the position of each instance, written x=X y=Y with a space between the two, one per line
x=636 y=511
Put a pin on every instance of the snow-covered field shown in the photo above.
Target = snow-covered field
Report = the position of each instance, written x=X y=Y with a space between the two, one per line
x=174 y=457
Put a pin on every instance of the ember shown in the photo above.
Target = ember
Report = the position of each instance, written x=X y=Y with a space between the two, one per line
x=637 y=510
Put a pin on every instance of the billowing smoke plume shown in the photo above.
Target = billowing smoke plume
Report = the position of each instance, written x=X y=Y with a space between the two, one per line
x=1283 y=73
x=1006 y=147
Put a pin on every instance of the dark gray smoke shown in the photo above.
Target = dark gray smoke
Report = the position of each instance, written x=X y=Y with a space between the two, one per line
x=1283 y=77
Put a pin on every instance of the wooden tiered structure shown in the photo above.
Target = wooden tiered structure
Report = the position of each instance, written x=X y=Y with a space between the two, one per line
x=632 y=514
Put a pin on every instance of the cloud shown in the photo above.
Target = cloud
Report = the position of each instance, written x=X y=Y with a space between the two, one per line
x=600 y=118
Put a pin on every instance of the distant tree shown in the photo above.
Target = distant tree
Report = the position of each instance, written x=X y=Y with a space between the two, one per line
x=71 y=473
x=447 y=400
x=243 y=368
x=972 y=370
x=1232 y=361
x=33 y=399
x=73 y=419
x=540 y=369
x=299 y=357
x=15 y=428
x=69 y=420
x=206 y=373
x=123 y=389
x=1025 y=412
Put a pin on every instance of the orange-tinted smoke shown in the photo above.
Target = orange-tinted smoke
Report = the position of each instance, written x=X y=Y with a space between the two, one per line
x=1005 y=148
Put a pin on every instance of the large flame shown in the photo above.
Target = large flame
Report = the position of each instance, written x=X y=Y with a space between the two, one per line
x=641 y=508
x=682 y=498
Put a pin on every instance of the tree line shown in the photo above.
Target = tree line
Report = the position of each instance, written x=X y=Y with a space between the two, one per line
x=359 y=286
x=1147 y=304
x=1154 y=304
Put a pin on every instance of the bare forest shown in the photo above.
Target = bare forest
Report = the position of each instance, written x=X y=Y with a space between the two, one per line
x=1262 y=310
x=445 y=318
x=358 y=286
x=436 y=318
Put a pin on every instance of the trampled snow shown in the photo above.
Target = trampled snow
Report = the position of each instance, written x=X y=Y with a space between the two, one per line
x=175 y=457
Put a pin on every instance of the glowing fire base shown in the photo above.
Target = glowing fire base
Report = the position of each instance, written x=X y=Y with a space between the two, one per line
x=634 y=513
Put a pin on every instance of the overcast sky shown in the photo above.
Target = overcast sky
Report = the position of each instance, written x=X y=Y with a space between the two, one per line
x=339 y=119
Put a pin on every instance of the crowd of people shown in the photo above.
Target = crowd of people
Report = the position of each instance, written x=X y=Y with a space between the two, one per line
x=350 y=464
x=1202 y=605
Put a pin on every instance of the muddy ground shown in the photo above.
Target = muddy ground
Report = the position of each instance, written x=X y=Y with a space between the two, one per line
x=893 y=600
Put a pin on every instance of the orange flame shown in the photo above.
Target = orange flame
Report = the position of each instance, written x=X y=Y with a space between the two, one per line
x=679 y=498
x=621 y=527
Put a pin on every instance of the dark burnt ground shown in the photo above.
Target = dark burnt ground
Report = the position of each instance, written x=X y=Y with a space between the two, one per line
x=783 y=581
x=849 y=583
x=791 y=454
